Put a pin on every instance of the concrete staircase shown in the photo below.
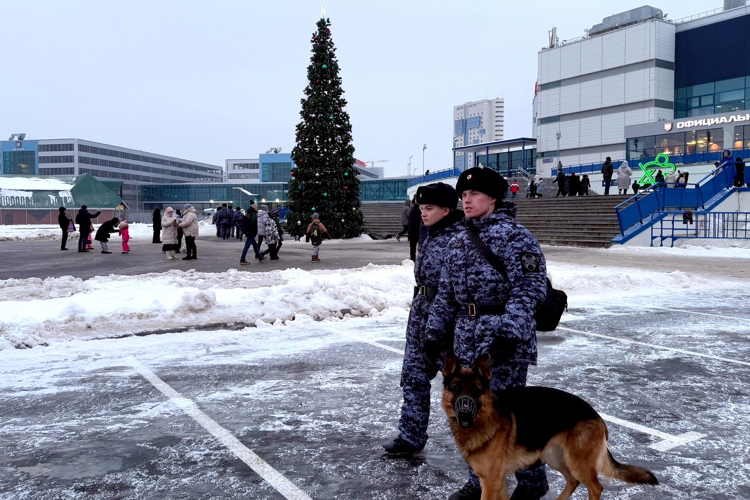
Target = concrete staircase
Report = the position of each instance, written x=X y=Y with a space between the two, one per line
x=383 y=219
x=588 y=221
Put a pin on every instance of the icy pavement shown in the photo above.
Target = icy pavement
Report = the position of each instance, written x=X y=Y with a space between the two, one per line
x=315 y=397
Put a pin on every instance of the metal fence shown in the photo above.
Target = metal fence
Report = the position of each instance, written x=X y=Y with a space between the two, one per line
x=703 y=225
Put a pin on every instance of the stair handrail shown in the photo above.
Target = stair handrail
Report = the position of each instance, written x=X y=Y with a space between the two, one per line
x=659 y=197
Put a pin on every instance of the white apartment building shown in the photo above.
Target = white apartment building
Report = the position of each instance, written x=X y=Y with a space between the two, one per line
x=242 y=171
x=477 y=122
x=589 y=89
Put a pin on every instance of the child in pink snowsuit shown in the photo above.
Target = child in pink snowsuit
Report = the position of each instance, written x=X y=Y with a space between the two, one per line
x=125 y=233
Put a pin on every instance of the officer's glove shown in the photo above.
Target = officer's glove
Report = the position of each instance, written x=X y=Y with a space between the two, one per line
x=502 y=348
x=433 y=359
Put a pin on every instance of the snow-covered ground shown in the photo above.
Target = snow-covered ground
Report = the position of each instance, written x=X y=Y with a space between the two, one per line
x=38 y=311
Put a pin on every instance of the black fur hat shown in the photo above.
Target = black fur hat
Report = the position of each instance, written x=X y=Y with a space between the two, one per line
x=484 y=180
x=440 y=194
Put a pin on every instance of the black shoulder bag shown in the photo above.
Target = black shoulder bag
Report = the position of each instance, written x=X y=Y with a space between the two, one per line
x=555 y=302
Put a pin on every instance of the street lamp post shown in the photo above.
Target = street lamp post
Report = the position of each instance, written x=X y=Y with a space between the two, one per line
x=558 y=147
x=423 y=148
x=409 y=171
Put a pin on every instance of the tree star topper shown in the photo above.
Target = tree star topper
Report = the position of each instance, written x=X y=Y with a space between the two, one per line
x=323 y=10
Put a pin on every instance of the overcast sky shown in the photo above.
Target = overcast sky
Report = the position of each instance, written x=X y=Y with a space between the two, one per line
x=208 y=81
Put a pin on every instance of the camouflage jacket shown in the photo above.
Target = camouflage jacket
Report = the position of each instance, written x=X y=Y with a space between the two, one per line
x=427 y=273
x=468 y=278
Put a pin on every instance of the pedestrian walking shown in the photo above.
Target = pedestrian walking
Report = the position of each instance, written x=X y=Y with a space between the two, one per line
x=169 y=233
x=437 y=205
x=514 y=188
x=85 y=227
x=585 y=185
x=314 y=234
x=124 y=229
x=275 y=217
x=250 y=230
x=107 y=228
x=607 y=171
x=180 y=233
x=575 y=184
x=560 y=180
x=487 y=311
x=623 y=178
x=262 y=220
x=636 y=187
x=215 y=221
x=739 y=179
x=272 y=238
x=189 y=226
x=225 y=222
x=405 y=219
x=156 y=219
x=65 y=225
x=237 y=223
x=415 y=223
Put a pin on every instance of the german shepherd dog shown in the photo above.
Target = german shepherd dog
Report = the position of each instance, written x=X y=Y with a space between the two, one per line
x=501 y=435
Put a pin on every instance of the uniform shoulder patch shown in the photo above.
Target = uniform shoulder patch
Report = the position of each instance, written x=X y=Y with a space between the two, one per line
x=530 y=262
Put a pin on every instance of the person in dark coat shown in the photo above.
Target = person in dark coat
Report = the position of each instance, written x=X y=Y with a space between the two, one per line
x=215 y=221
x=83 y=219
x=250 y=230
x=415 y=223
x=636 y=187
x=237 y=222
x=102 y=234
x=659 y=178
x=585 y=185
x=180 y=232
x=405 y=219
x=607 y=170
x=156 y=218
x=739 y=180
x=64 y=222
x=575 y=184
x=438 y=211
x=560 y=180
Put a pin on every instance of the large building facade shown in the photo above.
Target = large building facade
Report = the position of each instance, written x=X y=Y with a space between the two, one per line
x=73 y=157
x=638 y=68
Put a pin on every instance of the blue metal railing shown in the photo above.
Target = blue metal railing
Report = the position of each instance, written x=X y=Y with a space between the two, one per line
x=660 y=197
x=435 y=176
x=587 y=168
x=705 y=225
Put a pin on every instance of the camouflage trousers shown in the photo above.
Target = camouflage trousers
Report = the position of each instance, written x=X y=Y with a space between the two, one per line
x=415 y=410
x=510 y=375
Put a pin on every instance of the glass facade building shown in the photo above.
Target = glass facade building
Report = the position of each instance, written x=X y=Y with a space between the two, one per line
x=712 y=67
x=508 y=163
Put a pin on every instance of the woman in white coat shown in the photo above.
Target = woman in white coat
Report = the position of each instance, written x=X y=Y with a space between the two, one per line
x=189 y=225
x=169 y=233
x=624 y=172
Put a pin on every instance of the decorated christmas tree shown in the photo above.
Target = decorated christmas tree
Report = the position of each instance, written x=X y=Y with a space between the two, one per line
x=324 y=179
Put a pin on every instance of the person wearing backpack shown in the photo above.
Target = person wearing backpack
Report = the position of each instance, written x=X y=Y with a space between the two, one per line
x=488 y=311
x=314 y=234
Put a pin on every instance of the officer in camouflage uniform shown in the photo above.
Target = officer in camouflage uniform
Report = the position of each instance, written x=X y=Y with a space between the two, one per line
x=491 y=313
x=437 y=203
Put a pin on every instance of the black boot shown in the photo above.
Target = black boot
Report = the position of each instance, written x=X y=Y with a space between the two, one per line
x=468 y=492
x=536 y=492
x=401 y=447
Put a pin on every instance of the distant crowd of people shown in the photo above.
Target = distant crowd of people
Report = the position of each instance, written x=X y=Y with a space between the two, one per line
x=177 y=230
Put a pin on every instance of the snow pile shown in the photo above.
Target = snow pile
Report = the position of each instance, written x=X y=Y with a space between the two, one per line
x=689 y=247
x=35 y=311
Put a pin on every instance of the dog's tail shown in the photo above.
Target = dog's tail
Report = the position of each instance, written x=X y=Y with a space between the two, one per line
x=628 y=473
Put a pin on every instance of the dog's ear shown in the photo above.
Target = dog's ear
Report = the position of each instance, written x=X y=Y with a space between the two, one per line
x=483 y=366
x=451 y=364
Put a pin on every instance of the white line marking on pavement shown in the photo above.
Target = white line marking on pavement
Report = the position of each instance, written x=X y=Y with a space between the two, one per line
x=268 y=473
x=699 y=313
x=654 y=346
x=668 y=441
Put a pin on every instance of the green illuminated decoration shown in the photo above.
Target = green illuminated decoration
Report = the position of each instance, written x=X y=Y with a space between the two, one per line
x=649 y=169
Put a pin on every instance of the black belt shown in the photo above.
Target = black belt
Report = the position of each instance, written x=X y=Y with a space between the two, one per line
x=428 y=291
x=485 y=310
